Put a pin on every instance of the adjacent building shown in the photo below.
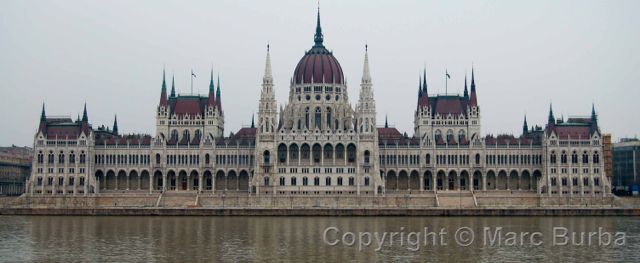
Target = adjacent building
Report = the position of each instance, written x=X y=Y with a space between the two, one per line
x=626 y=165
x=318 y=144
x=15 y=168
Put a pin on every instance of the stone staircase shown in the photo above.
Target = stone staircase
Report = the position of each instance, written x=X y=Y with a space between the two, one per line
x=451 y=199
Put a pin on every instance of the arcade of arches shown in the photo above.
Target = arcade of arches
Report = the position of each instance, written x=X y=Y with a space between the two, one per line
x=173 y=180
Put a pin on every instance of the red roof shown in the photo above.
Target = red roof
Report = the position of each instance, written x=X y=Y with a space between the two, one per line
x=573 y=132
x=444 y=105
x=320 y=65
x=191 y=105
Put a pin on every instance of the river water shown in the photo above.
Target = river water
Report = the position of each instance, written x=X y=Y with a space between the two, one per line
x=313 y=239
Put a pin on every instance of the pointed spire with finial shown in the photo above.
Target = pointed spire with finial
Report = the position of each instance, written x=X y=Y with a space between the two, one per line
x=424 y=82
x=163 y=92
x=218 y=97
x=318 y=37
x=43 y=115
x=419 y=86
x=466 y=93
x=268 y=76
x=386 y=121
x=366 y=74
x=423 y=100
x=173 y=87
x=525 y=127
x=85 y=117
x=253 y=124
x=115 y=125
x=552 y=119
x=473 y=100
x=211 y=100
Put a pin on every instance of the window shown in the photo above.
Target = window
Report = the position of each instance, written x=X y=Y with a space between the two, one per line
x=294 y=181
x=40 y=157
x=366 y=181
x=352 y=181
x=563 y=158
x=552 y=159
x=305 y=181
x=428 y=159
x=317 y=117
x=61 y=157
x=596 y=157
x=366 y=157
x=266 y=156
x=281 y=181
x=477 y=158
x=81 y=181
x=327 y=181
x=351 y=153
x=266 y=181
x=339 y=180
x=316 y=181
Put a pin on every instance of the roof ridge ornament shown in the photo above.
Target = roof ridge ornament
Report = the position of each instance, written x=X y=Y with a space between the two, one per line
x=318 y=37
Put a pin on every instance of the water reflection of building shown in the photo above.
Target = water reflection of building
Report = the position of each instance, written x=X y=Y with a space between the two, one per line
x=15 y=168
x=317 y=144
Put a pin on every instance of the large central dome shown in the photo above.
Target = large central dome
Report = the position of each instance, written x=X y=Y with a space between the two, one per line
x=318 y=65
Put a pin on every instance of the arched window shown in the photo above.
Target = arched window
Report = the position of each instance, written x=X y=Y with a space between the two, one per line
x=207 y=158
x=304 y=151
x=563 y=157
x=83 y=157
x=318 y=118
x=352 y=181
x=585 y=157
x=366 y=181
x=328 y=118
x=449 y=135
x=438 y=135
x=477 y=158
x=266 y=181
x=461 y=135
x=351 y=153
x=339 y=181
x=316 y=181
x=328 y=151
x=553 y=157
x=327 y=181
x=596 y=157
x=174 y=135
x=282 y=181
x=340 y=151
x=157 y=158
x=574 y=157
x=293 y=152
x=305 y=181
x=366 y=157
x=72 y=157
x=428 y=159
x=61 y=157
x=294 y=181
x=366 y=124
x=282 y=153
x=196 y=134
x=266 y=156
x=40 y=157
x=316 y=152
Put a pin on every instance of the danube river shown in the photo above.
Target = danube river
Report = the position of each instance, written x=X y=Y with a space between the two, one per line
x=334 y=239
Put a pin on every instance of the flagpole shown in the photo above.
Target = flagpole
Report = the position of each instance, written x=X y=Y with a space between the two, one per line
x=446 y=82
x=191 y=81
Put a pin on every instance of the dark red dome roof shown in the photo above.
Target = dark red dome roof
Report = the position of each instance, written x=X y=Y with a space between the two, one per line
x=320 y=64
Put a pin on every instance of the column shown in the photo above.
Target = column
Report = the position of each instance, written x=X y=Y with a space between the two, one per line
x=201 y=182
x=421 y=176
x=484 y=182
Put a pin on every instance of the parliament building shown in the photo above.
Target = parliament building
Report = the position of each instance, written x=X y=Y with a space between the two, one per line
x=316 y=143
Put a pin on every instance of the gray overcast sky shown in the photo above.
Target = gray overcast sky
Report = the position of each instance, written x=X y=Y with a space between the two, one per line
x=526 y=55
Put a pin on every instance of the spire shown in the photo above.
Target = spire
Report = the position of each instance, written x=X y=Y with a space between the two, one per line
x=318 y=37
x=163 y=93
x=424 y=82
x=594 y=117
x=473 y=100
x=85 y=117
x=211 y=86
x=218 y=97
x=211 y=100
x=173 y=87
x=253 y=124
x=466 y=93
x=552 y=119
x=525 y=127
x=43 y=115
x=419 y=86
x=268 y=77
x=366 y=75
x=115 y=125
x=386 y=121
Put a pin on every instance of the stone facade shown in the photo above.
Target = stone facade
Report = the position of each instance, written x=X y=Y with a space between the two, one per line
x=15 y=168
x=318 y=145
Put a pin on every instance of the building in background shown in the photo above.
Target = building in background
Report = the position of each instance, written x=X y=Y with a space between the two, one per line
x=607 y=155
x=15 y=167
x=626 y=168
